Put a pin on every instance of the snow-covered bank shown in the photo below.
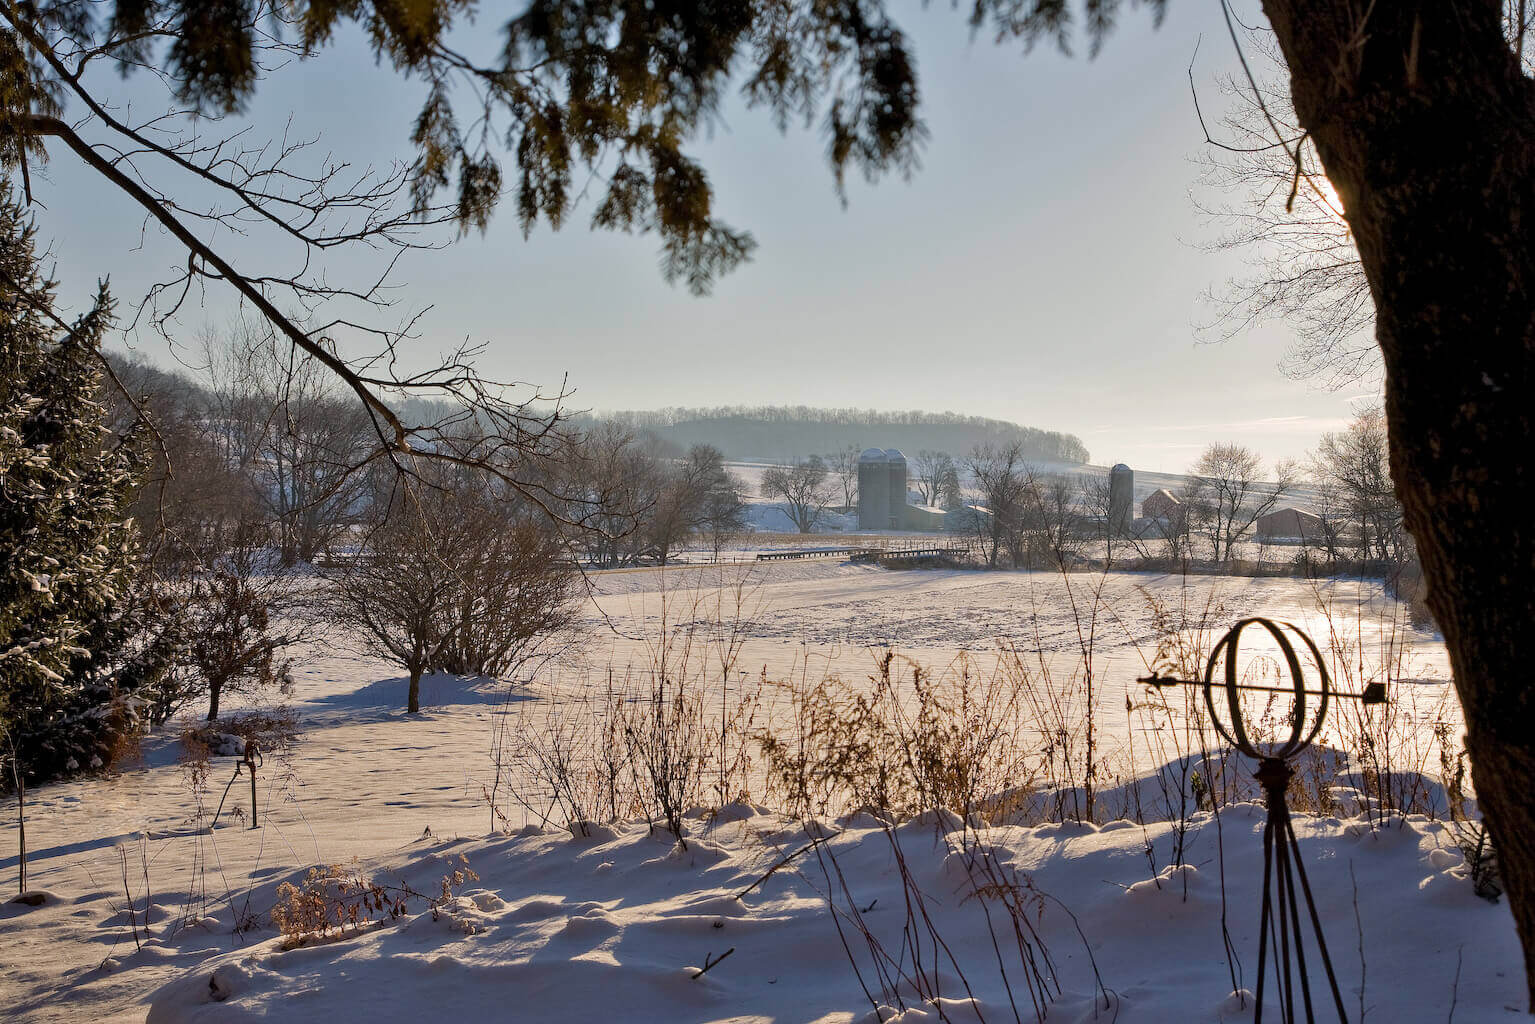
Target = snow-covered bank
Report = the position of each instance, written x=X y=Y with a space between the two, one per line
x=615 y=927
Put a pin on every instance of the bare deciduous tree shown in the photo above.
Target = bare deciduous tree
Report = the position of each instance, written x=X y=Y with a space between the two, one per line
x=934 y=470
x=288 y=431
x=243 y=613
x=455 y=575
x=1260 y=187
x=843 y=465
x=803 y=487
x=610 y=482
x=516 y=589
x=724 y=513
x=392 y=596
x=1305 y=272
x=1353 y=474
x=1002 y=481
x=693 y=500
x=1053 y=520
x=1096 y=496
x=1226 y=496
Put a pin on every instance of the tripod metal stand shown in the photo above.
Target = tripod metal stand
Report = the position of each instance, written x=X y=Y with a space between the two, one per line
x=1280 y=927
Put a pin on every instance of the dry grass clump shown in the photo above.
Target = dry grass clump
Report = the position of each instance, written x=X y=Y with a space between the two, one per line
x=335 y=901
x=904 y=743
x=643 y=741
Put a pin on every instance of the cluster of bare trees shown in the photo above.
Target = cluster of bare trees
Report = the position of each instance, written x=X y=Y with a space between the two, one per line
x=636 y=500
x=454 y=575
x=294 y=440
x=258 y=469
x=1024 y=518
x=267 y=439
x=842 y=466
x=1357 y=520
x=1228 y=492
x=1356 y=499
x=1027 y=519
x=271 y=520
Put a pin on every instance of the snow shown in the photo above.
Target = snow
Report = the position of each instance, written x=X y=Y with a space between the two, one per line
x=614 y=921
x=843 y=616
x=616 y=928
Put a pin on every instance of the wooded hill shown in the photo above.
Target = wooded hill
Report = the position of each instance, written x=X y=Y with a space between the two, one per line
x=786 y=432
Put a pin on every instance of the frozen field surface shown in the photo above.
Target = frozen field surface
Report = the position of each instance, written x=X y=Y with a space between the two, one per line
x=842 y=616
x=606 y=928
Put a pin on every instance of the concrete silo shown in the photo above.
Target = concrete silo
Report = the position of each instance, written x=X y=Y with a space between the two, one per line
x=896 y=463
x=873 y=490
x=1121 y=499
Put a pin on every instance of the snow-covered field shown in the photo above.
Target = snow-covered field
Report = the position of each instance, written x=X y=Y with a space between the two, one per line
x=613 y=926
x=842 y=616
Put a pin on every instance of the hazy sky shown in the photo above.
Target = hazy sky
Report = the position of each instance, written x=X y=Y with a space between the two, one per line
x=1043 y=266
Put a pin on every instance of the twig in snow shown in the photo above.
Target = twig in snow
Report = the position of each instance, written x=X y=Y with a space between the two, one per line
x=710 y=962
x=1460 y=952
x=784 y=862
x=122 y=853
x=1359 y=926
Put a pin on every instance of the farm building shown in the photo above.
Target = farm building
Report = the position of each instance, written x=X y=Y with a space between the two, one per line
x=1160 y=504
x=925 y=517
x=884 y=503
x=1121 y=498
x=881 y=489
x=1289 y=523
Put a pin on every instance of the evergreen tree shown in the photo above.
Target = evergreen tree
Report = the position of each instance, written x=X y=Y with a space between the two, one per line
x=84 y=650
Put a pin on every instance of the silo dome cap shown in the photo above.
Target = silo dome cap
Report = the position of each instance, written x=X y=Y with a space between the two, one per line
x=1120 y=466
x=872 y=455
x=894 y=455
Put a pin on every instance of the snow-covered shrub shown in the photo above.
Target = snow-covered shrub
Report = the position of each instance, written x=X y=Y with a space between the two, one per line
x=271 y=730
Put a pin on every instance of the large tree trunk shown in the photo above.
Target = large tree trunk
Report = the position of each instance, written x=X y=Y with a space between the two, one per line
x=1426 y=127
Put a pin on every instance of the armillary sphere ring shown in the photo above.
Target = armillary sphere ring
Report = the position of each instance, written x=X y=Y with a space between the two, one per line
x=1234 y=731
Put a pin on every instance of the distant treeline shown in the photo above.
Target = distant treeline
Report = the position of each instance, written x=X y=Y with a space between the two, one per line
x=779 y=431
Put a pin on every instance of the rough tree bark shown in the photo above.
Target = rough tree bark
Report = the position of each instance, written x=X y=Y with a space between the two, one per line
x=413 y=696
x=1426 y=127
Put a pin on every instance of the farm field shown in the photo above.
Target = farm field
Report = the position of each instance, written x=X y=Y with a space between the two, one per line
x=364 y=780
